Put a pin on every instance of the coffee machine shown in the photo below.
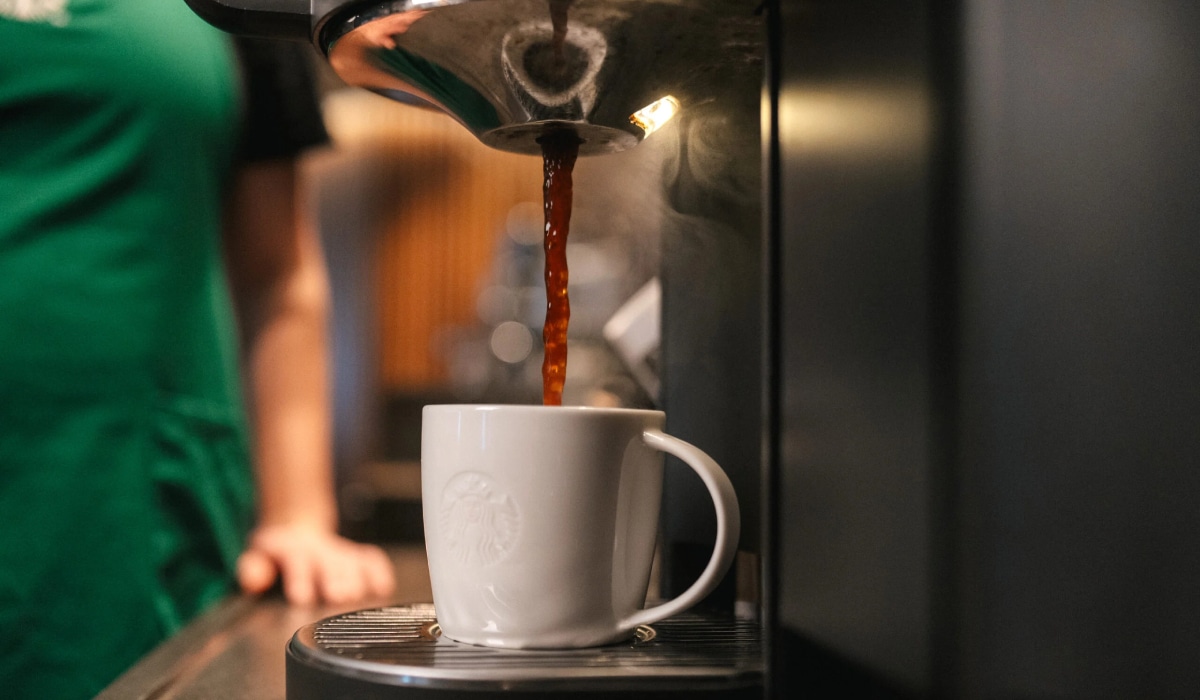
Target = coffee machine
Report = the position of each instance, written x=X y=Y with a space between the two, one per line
x=610 y=72
x=945 y=304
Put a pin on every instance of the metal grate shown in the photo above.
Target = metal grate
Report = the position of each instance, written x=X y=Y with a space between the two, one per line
x=405 y=643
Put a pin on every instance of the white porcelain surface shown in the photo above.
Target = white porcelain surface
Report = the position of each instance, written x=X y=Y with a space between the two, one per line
x=540 y=522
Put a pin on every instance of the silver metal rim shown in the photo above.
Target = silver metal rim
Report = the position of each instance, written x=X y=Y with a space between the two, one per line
x=706 y=653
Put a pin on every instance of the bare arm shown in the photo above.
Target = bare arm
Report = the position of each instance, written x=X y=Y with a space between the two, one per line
x=277 y=274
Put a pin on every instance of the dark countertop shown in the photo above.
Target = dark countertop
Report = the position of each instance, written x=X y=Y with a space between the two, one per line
x=236 y=650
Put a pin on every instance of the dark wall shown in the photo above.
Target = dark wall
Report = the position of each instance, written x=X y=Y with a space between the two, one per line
x=1080 y=372
x=857 y=459
x=988 y=334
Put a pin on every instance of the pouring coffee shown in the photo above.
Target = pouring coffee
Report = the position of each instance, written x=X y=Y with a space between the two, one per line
x=559 y=78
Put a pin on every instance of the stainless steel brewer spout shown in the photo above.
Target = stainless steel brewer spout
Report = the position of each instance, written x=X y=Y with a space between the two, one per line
x=510 y=71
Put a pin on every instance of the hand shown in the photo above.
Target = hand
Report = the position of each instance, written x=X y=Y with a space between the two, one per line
x=316 y=566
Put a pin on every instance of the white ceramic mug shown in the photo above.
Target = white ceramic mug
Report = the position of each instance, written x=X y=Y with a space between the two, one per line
x=541 y=522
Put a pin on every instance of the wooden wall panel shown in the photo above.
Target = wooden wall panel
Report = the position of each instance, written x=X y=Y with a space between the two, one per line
x=444 y=199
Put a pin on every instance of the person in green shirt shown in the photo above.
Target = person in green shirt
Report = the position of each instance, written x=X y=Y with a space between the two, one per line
x=164 y=428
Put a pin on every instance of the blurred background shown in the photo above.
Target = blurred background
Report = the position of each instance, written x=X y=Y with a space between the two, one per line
x=434 y=245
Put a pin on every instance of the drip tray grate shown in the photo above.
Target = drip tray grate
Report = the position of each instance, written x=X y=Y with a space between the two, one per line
x=403 y=646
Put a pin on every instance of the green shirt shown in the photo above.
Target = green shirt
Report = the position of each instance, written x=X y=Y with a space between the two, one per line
x=125 y=488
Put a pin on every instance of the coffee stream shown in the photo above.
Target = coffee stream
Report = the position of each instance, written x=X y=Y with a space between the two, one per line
x=559 y=151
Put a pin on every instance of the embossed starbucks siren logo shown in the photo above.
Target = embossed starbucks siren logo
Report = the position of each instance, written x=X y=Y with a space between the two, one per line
x=479 y=521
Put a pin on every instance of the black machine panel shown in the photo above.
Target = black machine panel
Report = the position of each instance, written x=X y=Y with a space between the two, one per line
x=987 y=270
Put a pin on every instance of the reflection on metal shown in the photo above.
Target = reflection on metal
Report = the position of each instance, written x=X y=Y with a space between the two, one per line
x=508 y=70
x=511 y=70
x=402 y=647
x=556 y=80
x=654 y=115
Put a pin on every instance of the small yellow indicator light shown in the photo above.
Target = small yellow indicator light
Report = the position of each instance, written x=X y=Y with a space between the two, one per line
x=651 y=117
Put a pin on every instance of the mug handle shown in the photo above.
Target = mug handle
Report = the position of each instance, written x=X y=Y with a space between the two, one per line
x=729 y=525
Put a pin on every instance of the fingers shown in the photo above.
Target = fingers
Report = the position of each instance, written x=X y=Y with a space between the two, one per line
x=315 y=567
x=350 y=572
x=339 y=576
x=299 y=577
x=255 y=572
x=379 y=572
